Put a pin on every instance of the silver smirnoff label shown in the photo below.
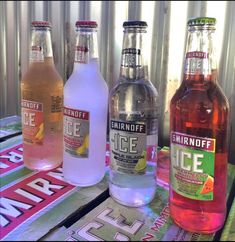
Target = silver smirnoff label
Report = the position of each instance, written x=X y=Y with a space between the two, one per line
x=76 y=132
x=128 y=147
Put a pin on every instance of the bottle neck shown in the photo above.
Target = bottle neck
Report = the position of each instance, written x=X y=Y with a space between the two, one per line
x=200 y=59
x=41 y=47
x=86 y=50
x=133 y=66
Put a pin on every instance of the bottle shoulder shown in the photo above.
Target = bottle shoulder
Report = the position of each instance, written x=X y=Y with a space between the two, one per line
x=210 y=97
x=85 y=89
x=141 y=87
x=86 y=74
x=203 y=113
x=137 y=100
x=41 y=74
x=86 y=80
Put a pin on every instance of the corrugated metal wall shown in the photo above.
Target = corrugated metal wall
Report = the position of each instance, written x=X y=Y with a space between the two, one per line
x=166 y=35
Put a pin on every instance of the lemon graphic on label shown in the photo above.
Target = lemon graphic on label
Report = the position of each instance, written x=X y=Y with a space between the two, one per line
x=86 y=141
x=141 y=164
x=83 y=148
x=39 y=134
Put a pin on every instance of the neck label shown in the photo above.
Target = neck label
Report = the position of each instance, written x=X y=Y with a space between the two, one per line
x=81 y=54
x=36 y=54
x=131 y=57
x=197 y=63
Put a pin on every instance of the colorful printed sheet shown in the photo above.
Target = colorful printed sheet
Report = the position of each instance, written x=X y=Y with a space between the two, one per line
x=111 y=221
x=11 y=156
x=37 y=206
x=229 y=229
x=10 y=125
x=33 y=203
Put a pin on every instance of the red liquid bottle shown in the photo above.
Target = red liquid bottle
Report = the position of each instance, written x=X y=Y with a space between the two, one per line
x=198 y=135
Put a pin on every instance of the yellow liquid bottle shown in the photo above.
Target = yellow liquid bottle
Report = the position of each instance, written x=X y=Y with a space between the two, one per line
x=41 y=104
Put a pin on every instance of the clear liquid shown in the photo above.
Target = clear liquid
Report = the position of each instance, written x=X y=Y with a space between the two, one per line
x=86 y=90
x=39 y=83
x=135 y=101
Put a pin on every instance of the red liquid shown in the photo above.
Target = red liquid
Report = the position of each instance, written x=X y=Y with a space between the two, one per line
x=199 y=108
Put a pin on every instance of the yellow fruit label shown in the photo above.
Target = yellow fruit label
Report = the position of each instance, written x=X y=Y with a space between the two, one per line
x=141 y=164
x=39 y=134
x=84 y=147
x=32 y=122
x=76 y=132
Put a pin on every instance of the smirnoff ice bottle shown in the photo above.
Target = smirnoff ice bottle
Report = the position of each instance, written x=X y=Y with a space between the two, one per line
x=133 y=122
x=42 y=104
x=85 y=112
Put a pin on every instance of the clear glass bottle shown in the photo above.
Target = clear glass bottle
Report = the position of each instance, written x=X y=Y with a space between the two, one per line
x=42 y=103
x=133 y=122
x=85 y=112
x=199 y=143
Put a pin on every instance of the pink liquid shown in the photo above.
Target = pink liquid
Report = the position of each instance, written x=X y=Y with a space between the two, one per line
x=39 y=84
x=46 y=156
x=199 y=108
x=203 y=216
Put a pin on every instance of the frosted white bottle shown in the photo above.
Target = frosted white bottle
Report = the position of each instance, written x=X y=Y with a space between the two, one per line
x=85 y=112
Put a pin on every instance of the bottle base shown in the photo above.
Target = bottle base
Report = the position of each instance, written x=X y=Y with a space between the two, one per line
x=83 y=184
x=132 y=197
x=199 y=231
x=194 y=222
x=42 y=167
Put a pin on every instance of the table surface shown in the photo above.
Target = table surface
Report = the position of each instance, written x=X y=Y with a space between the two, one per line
x=42 y=206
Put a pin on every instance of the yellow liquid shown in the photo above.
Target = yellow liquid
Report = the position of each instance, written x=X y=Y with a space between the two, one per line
x=40 y=84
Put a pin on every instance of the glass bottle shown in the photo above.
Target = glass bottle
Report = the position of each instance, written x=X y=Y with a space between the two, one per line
x=199 y=147
x=42 y=103
x=133 y=122
x=85 y=112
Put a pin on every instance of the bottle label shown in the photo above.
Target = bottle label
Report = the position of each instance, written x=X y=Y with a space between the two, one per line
x=128 y=147
x=131 y=57
x=56 y=102
x=192 y=166
x=33 y=123
x=76 y=132
x=56 y=111
x=81 y=55
x=197 y=63
x=36 y=54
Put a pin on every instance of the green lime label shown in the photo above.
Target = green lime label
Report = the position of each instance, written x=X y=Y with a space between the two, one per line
x=192 y=166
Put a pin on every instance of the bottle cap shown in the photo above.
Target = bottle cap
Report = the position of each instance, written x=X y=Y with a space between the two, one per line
x=201 y=21
x=41 y=24
x=86 y=24
x=135 y=24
